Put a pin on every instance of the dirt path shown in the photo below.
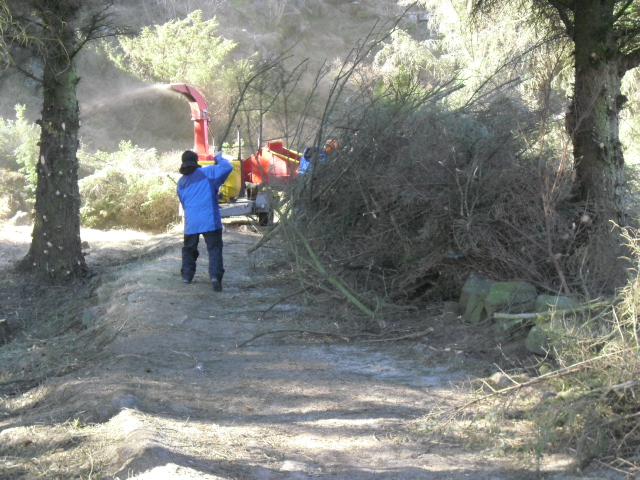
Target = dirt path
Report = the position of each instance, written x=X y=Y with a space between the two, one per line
x=172 y=397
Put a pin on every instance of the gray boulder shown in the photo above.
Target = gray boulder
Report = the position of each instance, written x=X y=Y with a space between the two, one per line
x=510 y=297
x=537 y=341
x=472 y=298
x=545 y=303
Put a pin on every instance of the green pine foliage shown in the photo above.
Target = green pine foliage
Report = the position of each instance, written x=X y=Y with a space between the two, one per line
x=18 y=157
x=18 y=143
x=180 y=51
x=129 y=188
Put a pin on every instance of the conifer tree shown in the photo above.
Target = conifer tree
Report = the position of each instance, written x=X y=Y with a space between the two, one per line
x=43 y=39
x=605 y=37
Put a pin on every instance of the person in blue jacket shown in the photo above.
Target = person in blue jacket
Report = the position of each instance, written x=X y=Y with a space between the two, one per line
x=304 y=167
x=198 y=193
x=305 y=162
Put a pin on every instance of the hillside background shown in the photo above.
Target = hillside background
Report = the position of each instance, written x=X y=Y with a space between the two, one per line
x=117 y=107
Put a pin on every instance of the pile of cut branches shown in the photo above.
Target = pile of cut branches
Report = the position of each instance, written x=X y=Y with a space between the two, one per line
x=418 y=198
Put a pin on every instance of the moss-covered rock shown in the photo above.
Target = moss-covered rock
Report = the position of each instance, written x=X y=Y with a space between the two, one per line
x=472 y=298
x=537 y=341
x=511 y=297
x=544 y=303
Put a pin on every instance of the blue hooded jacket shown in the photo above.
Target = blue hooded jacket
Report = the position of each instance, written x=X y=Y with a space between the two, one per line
x=304 y=166
x=198 y=193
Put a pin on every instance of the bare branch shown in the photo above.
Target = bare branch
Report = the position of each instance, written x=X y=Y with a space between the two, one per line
x=623 y=10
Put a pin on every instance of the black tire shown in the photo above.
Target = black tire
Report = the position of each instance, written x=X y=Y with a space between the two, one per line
x=265 y=218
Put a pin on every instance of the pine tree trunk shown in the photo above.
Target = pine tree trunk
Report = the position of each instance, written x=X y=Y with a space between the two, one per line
x=56 y=251
x=593 y=123
x=599 y=162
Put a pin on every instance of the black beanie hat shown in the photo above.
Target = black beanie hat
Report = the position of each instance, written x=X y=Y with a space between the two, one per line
x=189 y=157
x=189 y=162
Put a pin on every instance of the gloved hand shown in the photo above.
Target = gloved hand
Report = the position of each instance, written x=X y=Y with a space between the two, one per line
x=218 y=153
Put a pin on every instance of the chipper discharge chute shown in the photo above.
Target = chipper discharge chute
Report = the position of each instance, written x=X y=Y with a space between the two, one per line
x=244 y=192
x=232 y=187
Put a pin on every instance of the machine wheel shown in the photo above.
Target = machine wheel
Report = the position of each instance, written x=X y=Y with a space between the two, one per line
x=265 y=218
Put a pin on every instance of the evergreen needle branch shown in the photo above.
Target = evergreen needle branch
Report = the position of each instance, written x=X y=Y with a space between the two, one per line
x=264 y=239
x=622 y=419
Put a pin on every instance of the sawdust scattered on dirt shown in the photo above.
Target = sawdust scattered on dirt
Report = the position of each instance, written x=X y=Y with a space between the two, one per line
x=156 y=387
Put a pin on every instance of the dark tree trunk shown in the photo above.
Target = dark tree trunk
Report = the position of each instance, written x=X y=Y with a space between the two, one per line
x=56 y=247
x=594 y=127
x=593 y=123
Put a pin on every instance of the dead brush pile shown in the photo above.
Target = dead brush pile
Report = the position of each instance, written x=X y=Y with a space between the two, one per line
x=595 y=413
x=414 y=201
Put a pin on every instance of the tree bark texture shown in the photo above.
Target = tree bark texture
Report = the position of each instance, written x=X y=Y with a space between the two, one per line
x=56 y=250
x=594 y=113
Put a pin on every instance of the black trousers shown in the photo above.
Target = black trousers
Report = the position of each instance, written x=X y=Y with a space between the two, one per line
x=190 y=254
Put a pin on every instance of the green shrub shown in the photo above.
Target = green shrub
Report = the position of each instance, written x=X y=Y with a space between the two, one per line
x=188 y=50
x=13 y=196
x=127 y=156
x=128 y=189
x=18 y=158
x=19 y=143
x=136 y=199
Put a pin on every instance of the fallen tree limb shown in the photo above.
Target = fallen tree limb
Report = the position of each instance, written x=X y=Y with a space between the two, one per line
x=526 y=316
x=404 y=337
x=317 y=265
x=280 y=300
x=340 y=335
x=264 y=239
x=290 y=330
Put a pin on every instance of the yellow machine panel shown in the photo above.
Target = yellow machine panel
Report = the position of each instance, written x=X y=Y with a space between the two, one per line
x=231 y=187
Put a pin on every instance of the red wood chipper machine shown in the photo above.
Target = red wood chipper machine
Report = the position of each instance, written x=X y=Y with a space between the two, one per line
x=245 y=191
